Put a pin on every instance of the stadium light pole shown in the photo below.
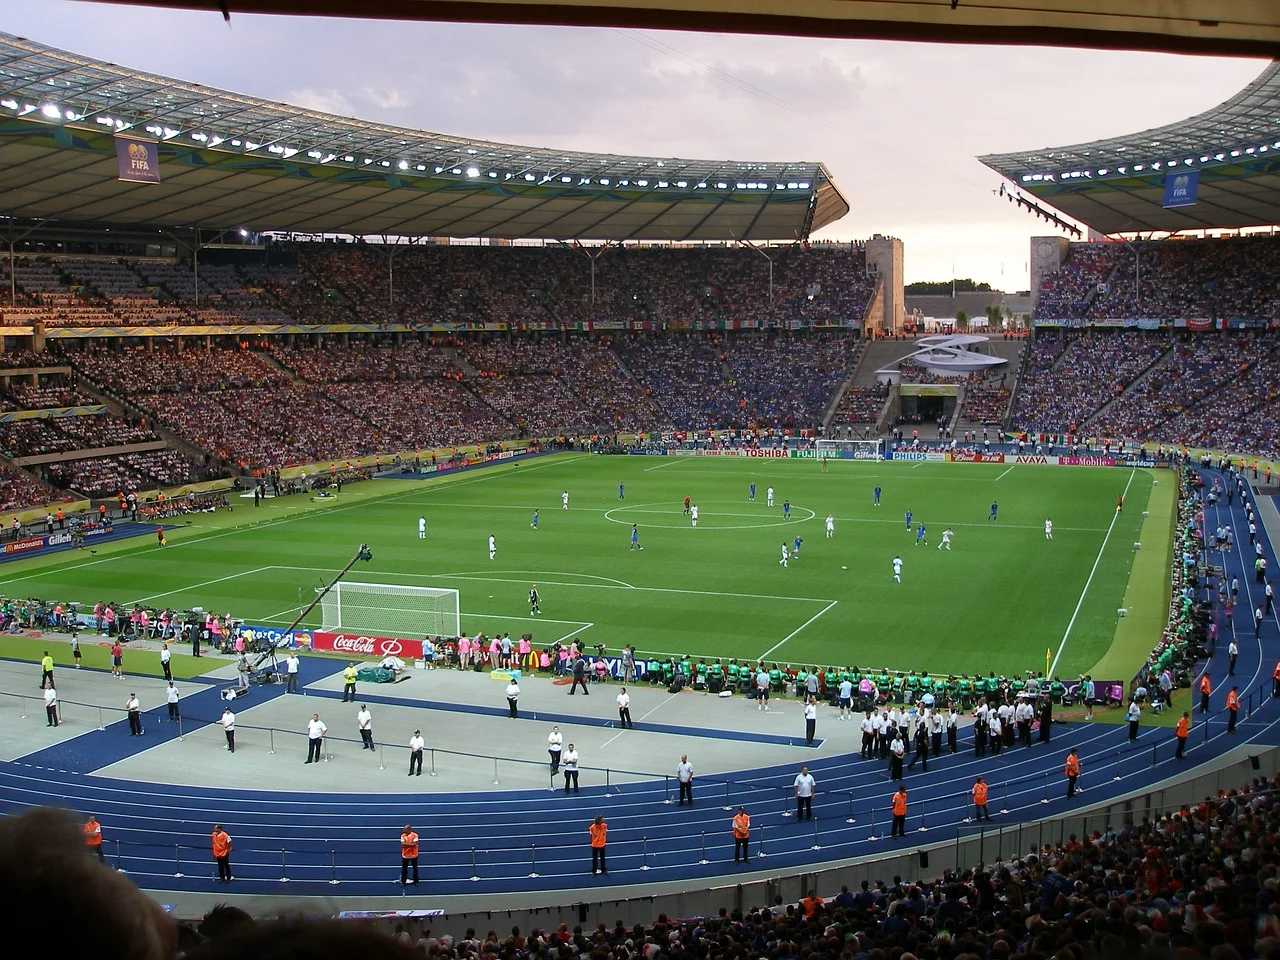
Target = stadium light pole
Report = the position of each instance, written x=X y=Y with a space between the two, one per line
x=760 y=250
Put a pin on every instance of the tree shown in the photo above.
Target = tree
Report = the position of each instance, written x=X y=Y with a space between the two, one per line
x=995 y=317
x=940 y=288
x=962 y=319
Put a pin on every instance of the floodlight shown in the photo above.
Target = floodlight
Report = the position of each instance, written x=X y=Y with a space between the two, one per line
x=472 y=171
x=682 y=184
x=403 y=164
x=51 y=111
x=642 y=183
x=9 y=104
x=244 y=232
x=529 y=176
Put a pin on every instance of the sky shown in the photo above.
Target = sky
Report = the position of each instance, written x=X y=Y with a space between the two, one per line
x=897 y=124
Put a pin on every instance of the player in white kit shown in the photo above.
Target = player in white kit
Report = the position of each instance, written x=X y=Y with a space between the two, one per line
x=493 y=547
x=422 y=528
x=831 y=526
x=768 y=497
x=786 y=555
x=946 y=539
x=693 y=514
x=897 y=569
x=1048 y=529
x=564 y=500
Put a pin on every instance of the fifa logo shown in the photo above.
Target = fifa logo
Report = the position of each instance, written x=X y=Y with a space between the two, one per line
x=1180 y=185
x=138 y=160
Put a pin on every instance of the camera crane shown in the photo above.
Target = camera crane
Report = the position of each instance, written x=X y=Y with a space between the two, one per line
x=269 y=655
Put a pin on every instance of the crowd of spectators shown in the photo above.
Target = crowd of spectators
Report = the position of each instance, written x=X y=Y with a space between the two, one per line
x=862 y=404
x=789 y=380
x=360 y=361
x=986 y=402
x=19 y=490
x=1060 y=395
x=1233 y=278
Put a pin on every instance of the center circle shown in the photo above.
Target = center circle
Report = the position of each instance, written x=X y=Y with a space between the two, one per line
x=672 y=516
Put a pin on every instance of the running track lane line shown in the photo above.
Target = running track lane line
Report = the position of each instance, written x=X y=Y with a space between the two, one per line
x=1087 y=583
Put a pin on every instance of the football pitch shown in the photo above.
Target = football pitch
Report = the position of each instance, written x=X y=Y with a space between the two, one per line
x=997 y=600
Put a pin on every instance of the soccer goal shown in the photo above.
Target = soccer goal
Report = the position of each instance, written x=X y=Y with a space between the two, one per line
x=390 y=610
x=851 y=449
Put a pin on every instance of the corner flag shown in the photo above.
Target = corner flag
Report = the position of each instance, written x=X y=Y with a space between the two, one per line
x=1048 y=659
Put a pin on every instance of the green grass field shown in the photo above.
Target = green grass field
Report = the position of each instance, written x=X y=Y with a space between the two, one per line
x=996 y=601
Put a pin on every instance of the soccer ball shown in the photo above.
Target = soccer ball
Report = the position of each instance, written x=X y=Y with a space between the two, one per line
x=844 y=568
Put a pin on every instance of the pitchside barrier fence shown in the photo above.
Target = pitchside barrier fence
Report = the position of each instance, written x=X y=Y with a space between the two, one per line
x=936 y=815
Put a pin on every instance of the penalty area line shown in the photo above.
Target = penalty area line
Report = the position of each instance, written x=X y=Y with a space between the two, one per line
x=796 y=631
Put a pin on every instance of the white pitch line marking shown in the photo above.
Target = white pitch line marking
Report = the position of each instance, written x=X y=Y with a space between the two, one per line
x=206 y=583
x=1085 y=591
x=796 y=630
x=1002 y=475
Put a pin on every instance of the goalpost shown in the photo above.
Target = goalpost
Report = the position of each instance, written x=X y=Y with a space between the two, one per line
x=851 y=449
x=390 y=609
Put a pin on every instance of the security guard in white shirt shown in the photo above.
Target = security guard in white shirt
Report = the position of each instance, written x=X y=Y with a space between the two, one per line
x=364 y=721
x=315 y=737
x=171 y=697
x=228 y=722
x=416 y=745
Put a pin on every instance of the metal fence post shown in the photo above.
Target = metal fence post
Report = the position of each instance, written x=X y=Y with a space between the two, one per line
x=760 y=842
x=381 y=761
x=873 y=824
x=923 y=828
x=666 y=789
x=533 y=861
x=333 y=866
x=101 y=725
x=496 y=781
x=272 y=748
x=1117 y=777
x=325 y=741
x=1153 y=754
x=177 y=861
x=179 y=727
x=786 y=806
x=644 y=853
x=1046 y=788
x=474 y=874
x=24 y=707
x=704 y=861
x=433 y=761
x=119 y=861
x=1005 y=808
x=284 y=870
x=850 y=818
x=816 y=844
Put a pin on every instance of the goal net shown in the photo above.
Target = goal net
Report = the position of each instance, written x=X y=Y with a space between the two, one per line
x=851 y=449
x=390 y=610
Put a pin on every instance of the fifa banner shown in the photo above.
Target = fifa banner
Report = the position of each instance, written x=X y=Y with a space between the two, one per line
x=279 y=638
x=363 y=646
x=137 y=161
x=1180 y=189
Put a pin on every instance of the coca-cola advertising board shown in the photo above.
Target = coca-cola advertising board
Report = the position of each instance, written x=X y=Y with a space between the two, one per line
x=358 y=645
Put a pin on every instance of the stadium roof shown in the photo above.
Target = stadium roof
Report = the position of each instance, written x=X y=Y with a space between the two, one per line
x=1118 y=185
x=1241 y=27
x=230 y=161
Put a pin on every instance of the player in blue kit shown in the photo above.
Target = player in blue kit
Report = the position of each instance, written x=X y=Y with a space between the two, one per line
x=991 y=518
x=752 y=494
x=908 y=521
x=534 y=522
x=786 y=509
x=920 y=536
x=795 y=547
x=622 y=491
x=635 y=538
x=876 y=501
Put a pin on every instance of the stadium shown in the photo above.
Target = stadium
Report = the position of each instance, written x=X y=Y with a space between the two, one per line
x=368 y=445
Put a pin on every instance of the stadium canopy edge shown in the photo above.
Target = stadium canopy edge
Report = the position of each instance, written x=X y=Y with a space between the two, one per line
x=1232 y=27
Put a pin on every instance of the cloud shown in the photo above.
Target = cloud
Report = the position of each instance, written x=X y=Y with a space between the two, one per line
x=326 y=101
x=390 y=98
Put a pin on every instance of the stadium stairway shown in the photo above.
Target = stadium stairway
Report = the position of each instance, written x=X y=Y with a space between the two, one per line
x=490 y=841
